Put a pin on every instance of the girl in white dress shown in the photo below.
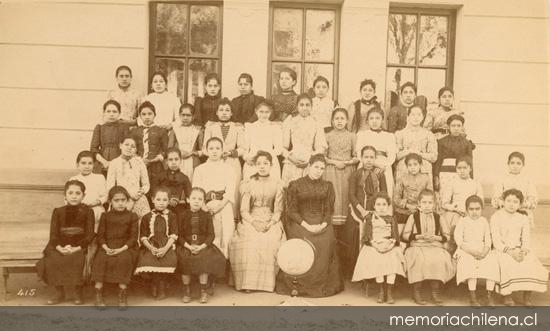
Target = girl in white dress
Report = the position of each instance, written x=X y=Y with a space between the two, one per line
x=322 y=103
x=474 y=256
x=262 y=135
x=167 y=104
x=216 y=178
x=383 y=141
x=187 y=138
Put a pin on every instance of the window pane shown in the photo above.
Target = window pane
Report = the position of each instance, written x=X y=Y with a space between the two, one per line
x=276 y=69
x=402 y=38
x=198 y=69
x=433 y=40
x=174 y=70
x=287 y=33
x=204 y=30
x=314 y=70
x=320 y=30
x=171 y=29
x=429 y=83
x=395 y=77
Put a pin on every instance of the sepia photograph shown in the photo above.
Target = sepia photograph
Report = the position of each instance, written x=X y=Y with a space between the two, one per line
x=275 y=153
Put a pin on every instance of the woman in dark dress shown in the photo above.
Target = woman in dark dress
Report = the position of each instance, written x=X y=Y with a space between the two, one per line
x=117 y=237
x=71 y=231
x=310 y=208
x=197 y=255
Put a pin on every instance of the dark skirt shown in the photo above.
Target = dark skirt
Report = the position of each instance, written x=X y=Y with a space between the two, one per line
x=63 y=270
x=209 y=261
x=148 y=263
x=350 y=245
x=114 y=268
x=324 y=277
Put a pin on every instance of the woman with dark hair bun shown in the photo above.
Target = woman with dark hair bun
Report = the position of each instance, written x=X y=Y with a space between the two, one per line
x=309 y=217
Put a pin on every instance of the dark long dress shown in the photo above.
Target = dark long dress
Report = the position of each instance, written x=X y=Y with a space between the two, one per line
x=116 y=229
x=106 y=141
x=312 y=201
x=363 y=186
x=156 y=139
x=158 y=227
x=196 y=228
x=74 y=226
x=284 y=105
x=449 y=149
x=206 y=108
x=244 y=107
x=179 y=186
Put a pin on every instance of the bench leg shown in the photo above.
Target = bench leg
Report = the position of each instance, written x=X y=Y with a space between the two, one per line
x=6 y=275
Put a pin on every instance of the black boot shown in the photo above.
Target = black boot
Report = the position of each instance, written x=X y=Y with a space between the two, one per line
x=417 y=294
x=527 y=299
x=381 y=294
x=78 y=295
x=490 y=299
x=58 y=297
x=204 y=293
x=161 y=290
x=473 y=299
x=389 y=294
x=154 y=287
x=122 y=299
x=436 y=292
x=99 y=304
x=210 y=286
x=186 y=298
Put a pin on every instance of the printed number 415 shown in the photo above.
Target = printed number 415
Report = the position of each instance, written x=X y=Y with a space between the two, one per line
x=26 y=292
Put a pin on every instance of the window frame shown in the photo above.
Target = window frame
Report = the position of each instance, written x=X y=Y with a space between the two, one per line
x=450 y=13
x=304 y=6
x=188 y=55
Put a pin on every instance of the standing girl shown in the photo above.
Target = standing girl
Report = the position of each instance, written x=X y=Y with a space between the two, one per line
x=195 y=250
x=284 y=103
x=408 y=188
x=244 y=106
x=425 y=256
x=207 y=106
x=254 y=246
x=341 y=162
x=520 y=269
x=301 y=139
x=166 y=103
x=453 y=197
x=125 y=95
x=449 y=149
x=175 y=181
x=436 y=120
x=515 y=179
x=95 y=195
x=108 y=136
x=71 y=231
x=216 y=178
x=397 y=117
x=364 y=184
x=152 y=141
x=117 y=237
x=158 y=234
x=358 y=110
x=384 y=143
x=415 y=139
x=232 y=135
x=129 y=171
x=322 y=104
x=380 y=256
x=474 y=256
x=262 y=135
x=188 y=138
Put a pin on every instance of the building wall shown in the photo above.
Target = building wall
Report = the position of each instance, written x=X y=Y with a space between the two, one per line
x=57 y=62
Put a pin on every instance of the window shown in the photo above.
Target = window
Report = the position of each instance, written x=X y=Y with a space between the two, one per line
x=420 y=49
x=185 y=43
x=303 y=38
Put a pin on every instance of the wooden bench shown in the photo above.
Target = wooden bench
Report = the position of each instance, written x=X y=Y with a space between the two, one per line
x=25 y=225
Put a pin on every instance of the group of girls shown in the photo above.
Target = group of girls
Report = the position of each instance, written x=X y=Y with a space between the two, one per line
x=213 y=189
